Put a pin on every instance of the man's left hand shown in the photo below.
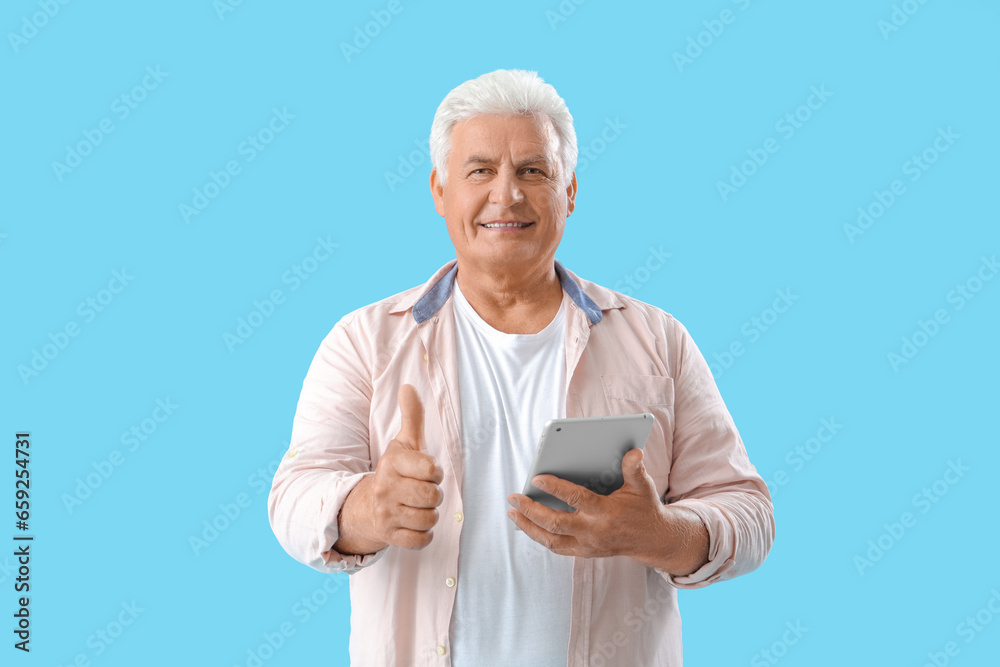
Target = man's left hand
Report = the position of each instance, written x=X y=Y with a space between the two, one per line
x=622 y=523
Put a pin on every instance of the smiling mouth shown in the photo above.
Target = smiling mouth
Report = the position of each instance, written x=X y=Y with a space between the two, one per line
x=507 y=225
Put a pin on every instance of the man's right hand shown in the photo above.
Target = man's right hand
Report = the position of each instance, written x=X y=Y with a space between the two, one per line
x=406 y=488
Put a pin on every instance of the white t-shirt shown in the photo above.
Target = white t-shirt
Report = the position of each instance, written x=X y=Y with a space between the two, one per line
x=513 y=600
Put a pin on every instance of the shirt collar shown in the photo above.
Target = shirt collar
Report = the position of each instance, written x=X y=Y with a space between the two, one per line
x=427 y=300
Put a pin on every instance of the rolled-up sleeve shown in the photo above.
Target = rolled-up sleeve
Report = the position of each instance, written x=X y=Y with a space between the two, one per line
x=711 y=474
x=328 y=456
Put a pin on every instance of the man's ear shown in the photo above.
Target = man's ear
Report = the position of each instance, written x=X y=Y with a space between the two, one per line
x=437 y=192
x=571 y=196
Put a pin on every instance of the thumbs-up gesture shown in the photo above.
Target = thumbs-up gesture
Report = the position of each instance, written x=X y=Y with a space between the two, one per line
x=406 y=487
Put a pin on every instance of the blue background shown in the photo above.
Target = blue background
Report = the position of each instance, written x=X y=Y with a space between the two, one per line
x=361 y=116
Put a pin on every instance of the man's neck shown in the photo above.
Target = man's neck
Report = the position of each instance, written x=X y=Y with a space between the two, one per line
x=513 y=301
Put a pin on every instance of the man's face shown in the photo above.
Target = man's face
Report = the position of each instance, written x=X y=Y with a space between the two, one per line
x=504 y=169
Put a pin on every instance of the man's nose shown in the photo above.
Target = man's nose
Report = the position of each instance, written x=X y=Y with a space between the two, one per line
x=506 y=191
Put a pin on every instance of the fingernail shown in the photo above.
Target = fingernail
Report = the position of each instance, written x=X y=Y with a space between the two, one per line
x=512 y=501
x=511 y=514
x=540 y=483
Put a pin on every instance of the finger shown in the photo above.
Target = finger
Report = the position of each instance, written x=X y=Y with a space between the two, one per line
x=417 y=493
x=634 y=469
x=411 y=411
x=554 y=543
x=552 y=521
x=574 y=495
x=417 y=465
x=417 y=520
x=410 y=539
x=528 y=527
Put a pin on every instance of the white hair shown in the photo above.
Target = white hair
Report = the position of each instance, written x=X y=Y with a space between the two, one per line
x=514 y=92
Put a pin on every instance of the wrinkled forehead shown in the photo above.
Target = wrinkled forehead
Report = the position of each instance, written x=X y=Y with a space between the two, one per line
x=498 y=137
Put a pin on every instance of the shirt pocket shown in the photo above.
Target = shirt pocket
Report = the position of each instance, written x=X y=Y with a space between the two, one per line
x=634 y=394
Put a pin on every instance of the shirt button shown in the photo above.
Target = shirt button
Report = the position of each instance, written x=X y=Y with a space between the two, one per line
x=458 y=516
x=440 y=650
x=425 y=357
x=450 y=582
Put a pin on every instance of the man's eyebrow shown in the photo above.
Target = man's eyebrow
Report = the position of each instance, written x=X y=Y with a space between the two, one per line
x=531 y=159
x=478 y=159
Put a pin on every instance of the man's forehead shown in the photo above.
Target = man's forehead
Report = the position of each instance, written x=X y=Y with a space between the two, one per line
x=493 y=136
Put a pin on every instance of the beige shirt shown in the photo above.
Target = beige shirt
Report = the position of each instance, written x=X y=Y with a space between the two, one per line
x=623 y=356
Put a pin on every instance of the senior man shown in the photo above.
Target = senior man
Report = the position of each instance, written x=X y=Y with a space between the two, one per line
x=420 y=414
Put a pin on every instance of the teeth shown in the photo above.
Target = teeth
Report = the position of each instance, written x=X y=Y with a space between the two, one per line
x=507 y=224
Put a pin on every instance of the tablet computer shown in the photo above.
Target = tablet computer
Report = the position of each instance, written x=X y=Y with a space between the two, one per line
x=587 y=451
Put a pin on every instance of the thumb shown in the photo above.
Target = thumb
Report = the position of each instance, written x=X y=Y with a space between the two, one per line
x=411 y=411
x=633 y=469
